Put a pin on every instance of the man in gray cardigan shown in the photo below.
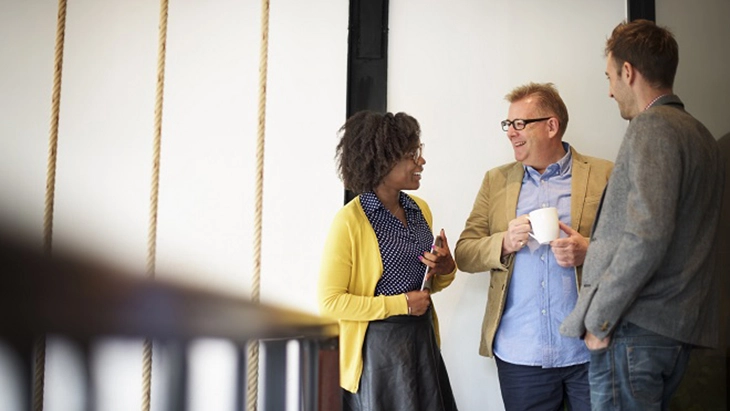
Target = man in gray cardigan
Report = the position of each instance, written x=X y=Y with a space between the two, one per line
x=647 y=294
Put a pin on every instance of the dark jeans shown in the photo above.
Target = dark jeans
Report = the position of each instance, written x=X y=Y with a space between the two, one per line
x=639 y=370
x=536 y=388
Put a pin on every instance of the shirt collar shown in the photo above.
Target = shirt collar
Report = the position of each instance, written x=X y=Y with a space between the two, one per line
x=371 y=203
x=665 y=99
x=563 y=164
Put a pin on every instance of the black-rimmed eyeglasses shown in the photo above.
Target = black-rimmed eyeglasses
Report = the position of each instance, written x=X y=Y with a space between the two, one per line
x=519 y=123
x=415 y=154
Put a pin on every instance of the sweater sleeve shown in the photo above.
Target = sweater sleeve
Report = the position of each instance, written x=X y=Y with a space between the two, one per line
x=442 y=281
x=343 y=284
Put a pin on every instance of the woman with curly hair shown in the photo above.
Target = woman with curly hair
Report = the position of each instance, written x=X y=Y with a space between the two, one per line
x=373 y=267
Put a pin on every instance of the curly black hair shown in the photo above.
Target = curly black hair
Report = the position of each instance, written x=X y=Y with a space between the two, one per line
x=371 y=144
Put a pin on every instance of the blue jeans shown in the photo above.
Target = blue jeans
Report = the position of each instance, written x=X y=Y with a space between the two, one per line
x=639 y=370
x=527 y=388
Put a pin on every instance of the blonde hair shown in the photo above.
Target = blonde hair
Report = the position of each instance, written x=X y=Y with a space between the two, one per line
x=549 y=101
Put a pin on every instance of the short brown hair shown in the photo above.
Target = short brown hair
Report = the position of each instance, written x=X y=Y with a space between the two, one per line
x=371 y=144
x=651 y=49
x=549 y=101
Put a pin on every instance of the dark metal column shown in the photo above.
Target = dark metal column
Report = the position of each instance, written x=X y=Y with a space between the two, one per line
x=275 y=375
x=367 y=58
x=641 y=9
x=241 y=384
x=175 y=355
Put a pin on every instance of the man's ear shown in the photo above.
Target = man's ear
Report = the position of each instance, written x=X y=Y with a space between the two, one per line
x=628 y=73
x=553 y=126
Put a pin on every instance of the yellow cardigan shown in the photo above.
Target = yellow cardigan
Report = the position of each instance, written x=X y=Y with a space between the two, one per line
x=350 y=270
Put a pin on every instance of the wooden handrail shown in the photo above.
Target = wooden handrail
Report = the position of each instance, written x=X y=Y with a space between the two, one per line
x=83 y=300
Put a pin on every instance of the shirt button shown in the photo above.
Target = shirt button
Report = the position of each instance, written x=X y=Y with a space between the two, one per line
x=542 y=257
x=543 y=312
x=542 y=284
x=544 y=205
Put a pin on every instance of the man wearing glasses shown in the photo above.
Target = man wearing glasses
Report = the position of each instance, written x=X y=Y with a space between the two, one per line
x=533 y=287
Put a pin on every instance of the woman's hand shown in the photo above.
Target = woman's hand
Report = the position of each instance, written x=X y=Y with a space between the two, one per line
x=418 y=301
x=439 y=259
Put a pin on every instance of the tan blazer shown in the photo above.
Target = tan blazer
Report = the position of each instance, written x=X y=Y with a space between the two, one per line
x=479 y=247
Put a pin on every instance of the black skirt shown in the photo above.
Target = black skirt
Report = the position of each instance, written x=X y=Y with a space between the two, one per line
x=402 y=368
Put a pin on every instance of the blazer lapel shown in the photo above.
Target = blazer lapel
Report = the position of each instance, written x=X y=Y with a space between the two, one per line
x=579 y=186
x=600 y=206
x=512 y=194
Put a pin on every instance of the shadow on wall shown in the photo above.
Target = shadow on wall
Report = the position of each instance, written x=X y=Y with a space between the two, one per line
x=705 y=384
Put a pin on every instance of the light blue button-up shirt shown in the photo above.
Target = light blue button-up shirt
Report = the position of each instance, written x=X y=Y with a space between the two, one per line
x=541 y=293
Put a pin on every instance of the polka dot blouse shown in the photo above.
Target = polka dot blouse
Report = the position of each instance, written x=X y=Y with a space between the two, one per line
x=399 y=246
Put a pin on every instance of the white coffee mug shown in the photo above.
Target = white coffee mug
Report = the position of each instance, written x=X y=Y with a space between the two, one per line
x=544 y=222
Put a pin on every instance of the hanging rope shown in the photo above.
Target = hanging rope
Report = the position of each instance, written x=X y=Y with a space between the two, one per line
x=40 y=346
x=253 y=346
x=154 y=191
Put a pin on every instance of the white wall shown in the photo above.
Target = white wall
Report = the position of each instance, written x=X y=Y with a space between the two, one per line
x=451 y=63
x=703 y=33
x=25 y=107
